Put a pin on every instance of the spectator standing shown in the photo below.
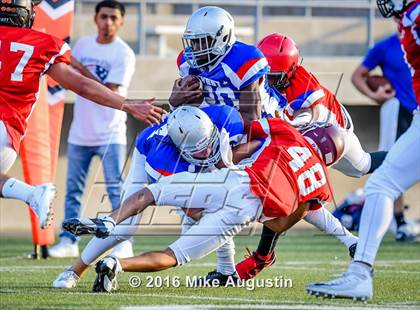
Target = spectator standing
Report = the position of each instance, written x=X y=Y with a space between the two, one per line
x=97 y=130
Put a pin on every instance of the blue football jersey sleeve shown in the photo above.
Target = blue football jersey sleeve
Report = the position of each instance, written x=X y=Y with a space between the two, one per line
x=228 y=118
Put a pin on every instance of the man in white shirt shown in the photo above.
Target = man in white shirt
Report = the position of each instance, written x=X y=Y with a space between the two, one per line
x=97 y=130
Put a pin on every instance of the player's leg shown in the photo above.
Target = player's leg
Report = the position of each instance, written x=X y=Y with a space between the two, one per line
x=78 y=163
x=136 y=179
x=38 y=197
x=328 y=223
x=113 y=157
x=403 y=231
x=227 y=216
x=265 y=256
x=398 y=173
x=356 y=162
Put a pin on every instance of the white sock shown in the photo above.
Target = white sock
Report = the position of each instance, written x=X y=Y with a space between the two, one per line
x=377 y=215
x=325 y=221
x=226 y=258
x=16 y=189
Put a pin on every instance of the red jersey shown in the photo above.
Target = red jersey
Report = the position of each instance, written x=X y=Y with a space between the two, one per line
x=25 y=55
x=287 y=170
x=305 y=91
x=410 y=42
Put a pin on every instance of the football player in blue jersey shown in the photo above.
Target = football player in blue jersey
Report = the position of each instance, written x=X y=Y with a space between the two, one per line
x=152 y=146
x=156 y=156
x=229 y=72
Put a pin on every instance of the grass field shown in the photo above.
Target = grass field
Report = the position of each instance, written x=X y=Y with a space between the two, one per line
x=302 y=257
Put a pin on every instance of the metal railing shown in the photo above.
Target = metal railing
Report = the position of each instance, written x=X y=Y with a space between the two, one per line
x=258 y=10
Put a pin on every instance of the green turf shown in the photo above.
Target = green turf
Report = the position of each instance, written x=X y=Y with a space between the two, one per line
x=25 y=283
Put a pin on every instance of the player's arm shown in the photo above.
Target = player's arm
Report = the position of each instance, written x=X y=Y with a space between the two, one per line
x=250 y=103
x=359 y=80
x=143 y=110
x=242 y=151
x=85 y=71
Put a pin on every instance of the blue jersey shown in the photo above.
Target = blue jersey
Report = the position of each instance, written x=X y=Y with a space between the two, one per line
x=241 y=66
x=163 y=158
x=388 y=55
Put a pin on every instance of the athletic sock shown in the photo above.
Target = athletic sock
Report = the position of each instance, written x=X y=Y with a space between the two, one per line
x=17 y=189
x=325 y=221
x=268 y=242
x=376 y=159
x=375 y=220
x=226 y=258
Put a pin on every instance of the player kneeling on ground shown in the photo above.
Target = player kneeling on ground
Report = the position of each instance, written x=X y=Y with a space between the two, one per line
x=280 y=178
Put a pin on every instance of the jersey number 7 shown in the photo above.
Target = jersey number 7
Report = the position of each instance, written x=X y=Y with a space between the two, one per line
x=27 y=50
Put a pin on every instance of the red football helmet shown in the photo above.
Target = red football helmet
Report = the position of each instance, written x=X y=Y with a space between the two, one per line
x=282 y=55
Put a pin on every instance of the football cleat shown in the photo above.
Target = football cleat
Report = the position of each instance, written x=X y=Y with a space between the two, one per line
x=253 y=264
x=106 y=275
x=66 y=279
x=404 y=233
x=352 y=250
x=100 y=227
x=217 y=279
x=41 y=203
x=65 y=248
x=354 y=284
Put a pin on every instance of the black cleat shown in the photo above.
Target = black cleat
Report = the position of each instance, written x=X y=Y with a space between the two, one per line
x=101 y=228
x=216 y=279
x=106 y=275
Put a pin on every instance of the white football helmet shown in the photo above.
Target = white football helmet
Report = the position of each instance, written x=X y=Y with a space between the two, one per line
x=389 y=8
x=192 y=131
x=208 y=35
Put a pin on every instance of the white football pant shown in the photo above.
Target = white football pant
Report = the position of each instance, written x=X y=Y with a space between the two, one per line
x=399 y=171
x=7 y=153
x=228 y=205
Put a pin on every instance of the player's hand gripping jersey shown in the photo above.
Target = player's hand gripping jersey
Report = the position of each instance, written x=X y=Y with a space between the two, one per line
x=287 y=171
x=410 y=42
x=305 y=91
x=222 y=82
x=25 y=55
x=163 y=158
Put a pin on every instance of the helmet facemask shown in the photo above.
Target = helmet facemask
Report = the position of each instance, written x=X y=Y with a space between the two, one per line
x=203 y=49
x=19 y=14
x=281 y=78
x=390 y=8
x=213 y=141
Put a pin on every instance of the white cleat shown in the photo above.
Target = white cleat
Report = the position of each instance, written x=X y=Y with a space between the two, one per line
x=65 y=248
x=123 y=250
x=355 y=284
x=66 y=279
x=41 y=203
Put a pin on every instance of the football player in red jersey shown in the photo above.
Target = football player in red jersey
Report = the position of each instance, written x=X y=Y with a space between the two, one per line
x=307 y=102
x=26 y=55
x=399 y=172
x=278 y=179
